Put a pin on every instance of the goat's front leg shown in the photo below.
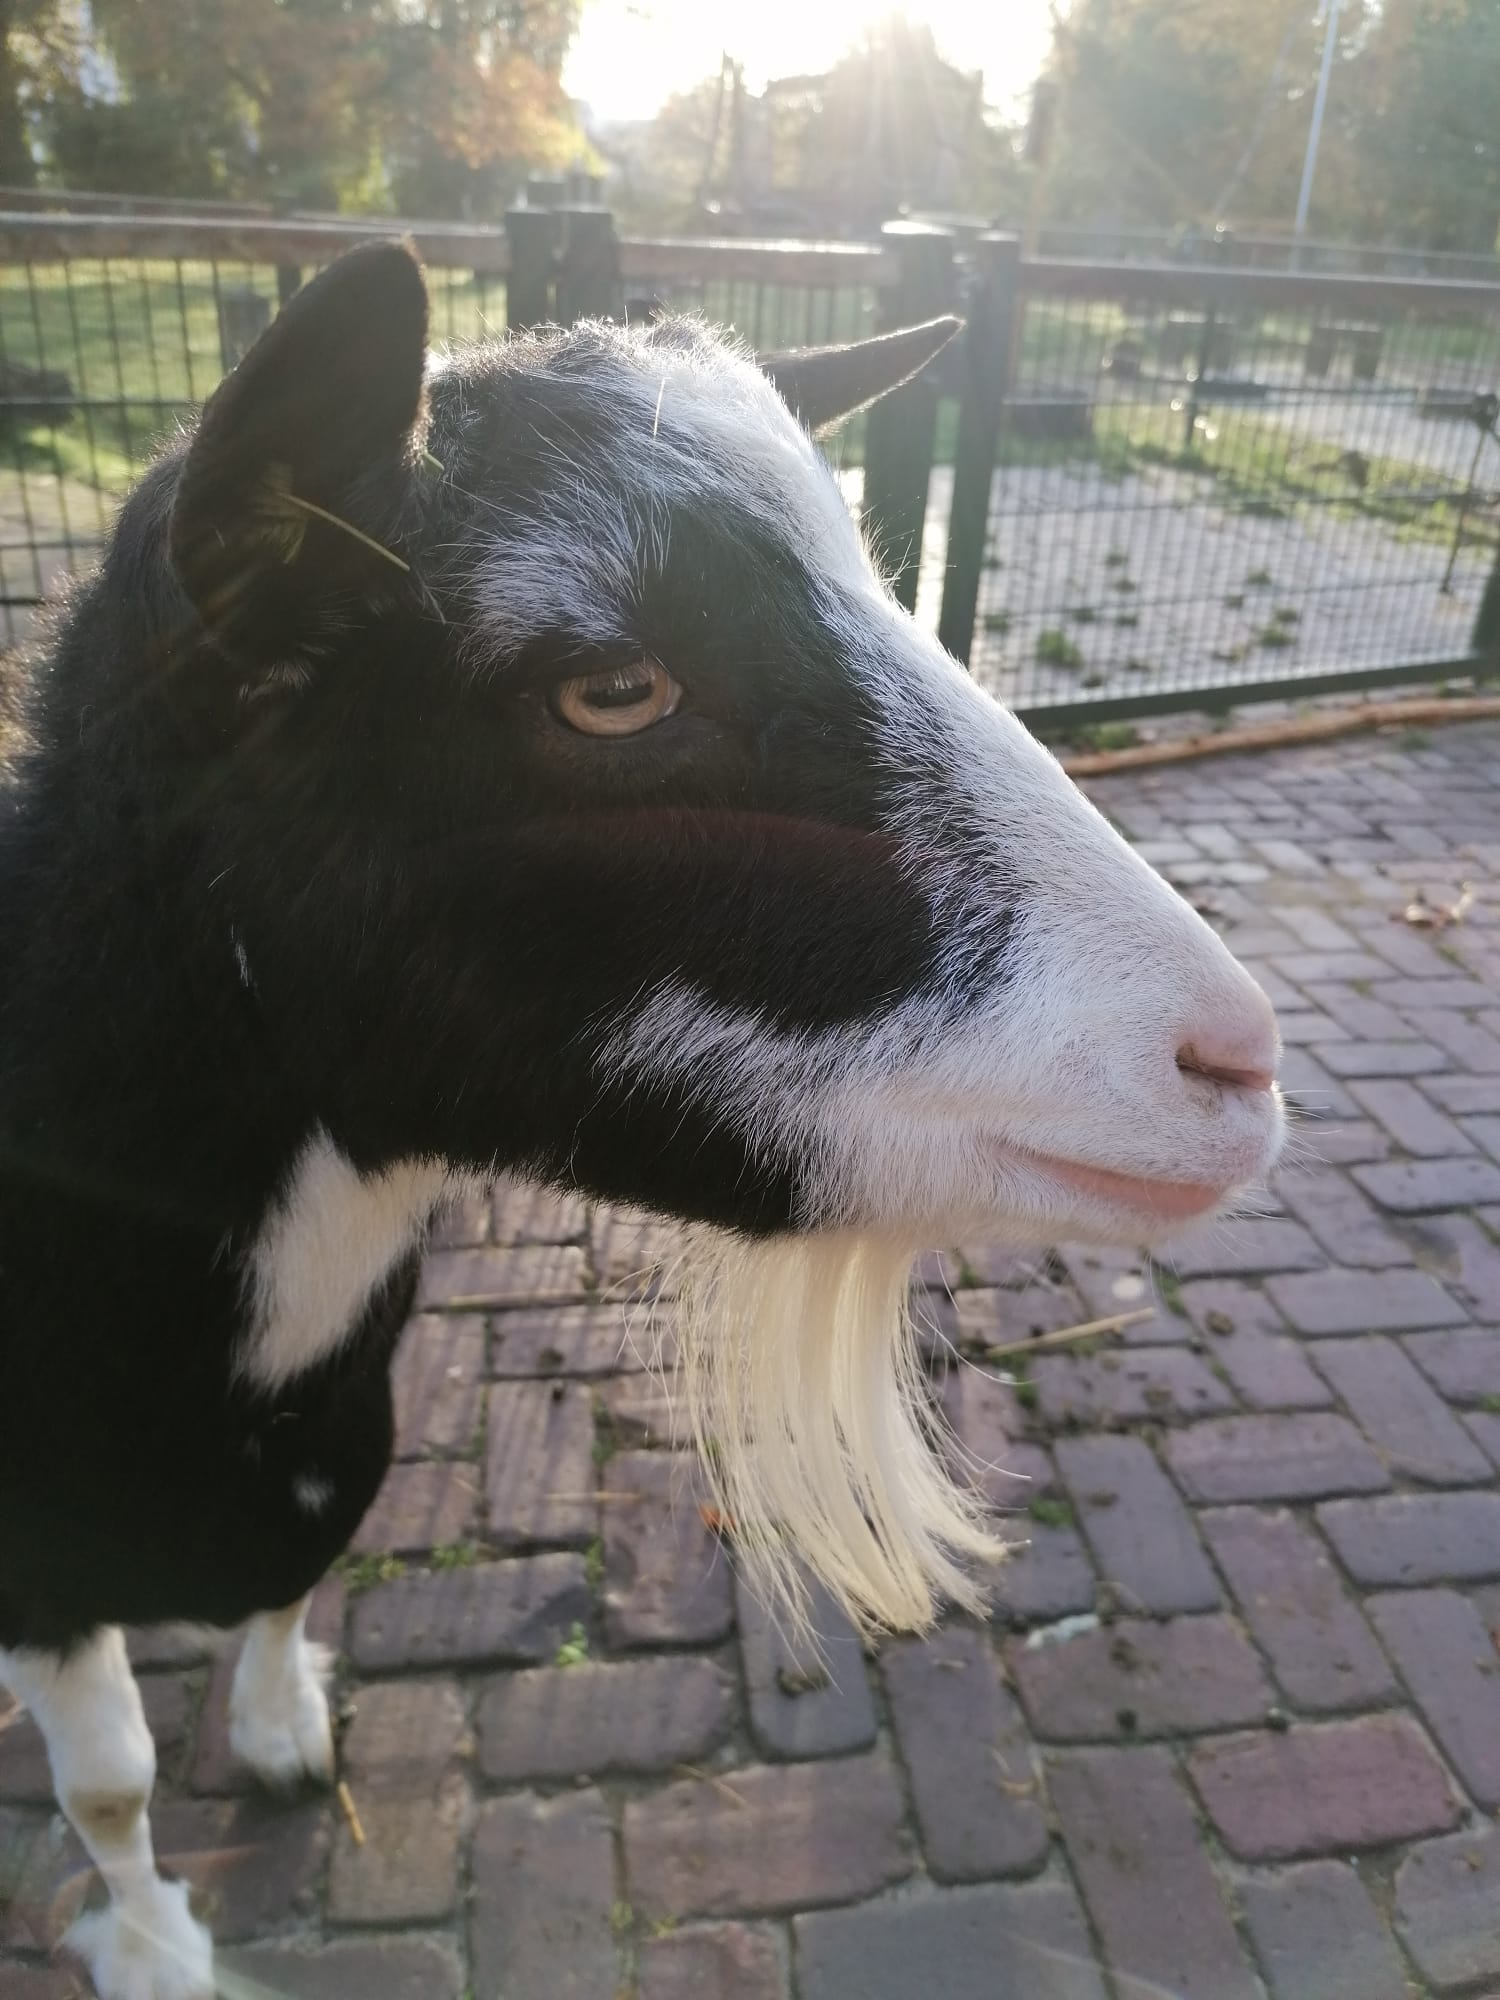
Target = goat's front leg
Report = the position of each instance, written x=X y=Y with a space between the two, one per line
x=146 y=1945
x=278 y=1710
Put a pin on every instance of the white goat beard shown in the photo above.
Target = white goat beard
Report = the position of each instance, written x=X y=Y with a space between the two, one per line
x=805 y=1395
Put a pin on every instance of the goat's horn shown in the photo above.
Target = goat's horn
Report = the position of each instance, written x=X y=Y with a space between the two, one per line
x=822 y=384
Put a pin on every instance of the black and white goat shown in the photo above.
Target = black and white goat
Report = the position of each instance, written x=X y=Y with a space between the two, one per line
x=518 y=764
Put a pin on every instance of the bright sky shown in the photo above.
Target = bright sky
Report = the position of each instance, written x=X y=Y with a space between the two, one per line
x=630 y=55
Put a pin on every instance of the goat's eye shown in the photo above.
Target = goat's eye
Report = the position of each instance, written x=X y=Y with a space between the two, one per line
x=617 y=701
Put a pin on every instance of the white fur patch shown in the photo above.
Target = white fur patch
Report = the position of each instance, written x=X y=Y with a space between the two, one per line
x=146 y=1945
x=311 y=1493
x=326 y=1244
x=278 y=1711
x=804 y=1393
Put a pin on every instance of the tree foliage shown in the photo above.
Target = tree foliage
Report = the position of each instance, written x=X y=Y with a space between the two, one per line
x=431 y=105
x=1197 y=111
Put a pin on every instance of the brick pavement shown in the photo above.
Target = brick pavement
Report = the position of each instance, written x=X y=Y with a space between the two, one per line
x=1234 y=1727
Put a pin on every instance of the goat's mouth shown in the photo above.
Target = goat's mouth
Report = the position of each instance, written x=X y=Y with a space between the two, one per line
x=1158 y=1200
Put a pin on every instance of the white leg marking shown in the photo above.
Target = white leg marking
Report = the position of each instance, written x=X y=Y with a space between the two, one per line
x=146 y=1945
x=278 y=1711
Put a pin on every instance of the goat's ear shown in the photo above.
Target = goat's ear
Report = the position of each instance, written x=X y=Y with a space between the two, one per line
x=821 y=385
x=295 y=479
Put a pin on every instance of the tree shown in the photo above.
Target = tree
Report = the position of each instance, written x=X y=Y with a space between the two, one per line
x=1173 y=109
x=436 y=104
x=1429 y=139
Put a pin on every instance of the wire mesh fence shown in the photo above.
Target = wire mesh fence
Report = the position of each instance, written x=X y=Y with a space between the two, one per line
x=101 y=358
x=1193 y=497
x=1203 y=484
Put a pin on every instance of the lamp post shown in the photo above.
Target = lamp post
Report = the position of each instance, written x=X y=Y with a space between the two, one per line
x=1315 y=131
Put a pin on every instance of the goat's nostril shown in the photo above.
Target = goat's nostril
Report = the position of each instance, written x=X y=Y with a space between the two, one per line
x=1238 y=1076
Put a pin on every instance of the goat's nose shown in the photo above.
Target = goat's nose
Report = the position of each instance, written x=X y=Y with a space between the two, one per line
x=1240 y=1049
x=1193 y=1062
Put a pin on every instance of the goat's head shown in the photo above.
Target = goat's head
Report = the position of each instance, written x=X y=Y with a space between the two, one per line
x=624 y=831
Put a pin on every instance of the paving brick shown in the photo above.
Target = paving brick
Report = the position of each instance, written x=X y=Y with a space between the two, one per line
x=712 y=1962
x=254 y=1864
x=1323 y=1787
x=968 y=1760
x=43 y=1982
x=543 y=1892
x=1126 y=1384
x=1133 y=1840
x=964 y=1944
x=1139 y=1530
x=1447 y=1894
x=1046 y=1575
x=1351 y=1142
x=1464 y=1363
x=420 y=1507
x=1320 y=1648
x=1264 y=1243
x=1364 y=1302
x=1486 y=1132
x=1469 y=1044
x=1319 y=1937
x=666 y=1579
x=983 y=1317
x=483 y=1280
x=1411 y=1538
x=152 y=1646
x=436 y=1380
x=567 y=1340
x=1356 y=1058
x=1449 y=1661
x=1247 y=1338
x=405 y=1870
x=403 y=1737
x=1464 y=1095
x=1114 y=1280
x=461 y=1225
x=597 y=1717
x=1484 y=1428
x=809 y=1696
x=1358 y=1014
x=1311 y=1089
x=1305 y=968
x=524 y=1213
x=1348 y=1226
x=1410 y=1117
x=490 y=1615
x=1463 y=1254
x=1411 y=1187
x=634 y=1254
x=770 y=1838
x=1141 y=1677
x=1301 y=1455
x=387 y=1968
x=1406 y=1421
x=644 y=1411
x=539 y=1464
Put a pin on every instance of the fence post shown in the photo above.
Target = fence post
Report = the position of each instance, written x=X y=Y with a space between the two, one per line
x=987 y=356
x=532 y=235
x=901 y=429
x=588 y=274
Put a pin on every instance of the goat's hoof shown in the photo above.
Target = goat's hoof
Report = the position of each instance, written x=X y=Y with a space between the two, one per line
x=150 y=1947
x=287 y=1738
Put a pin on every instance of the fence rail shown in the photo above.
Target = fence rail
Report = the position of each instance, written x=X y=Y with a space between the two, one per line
x=1130 y=485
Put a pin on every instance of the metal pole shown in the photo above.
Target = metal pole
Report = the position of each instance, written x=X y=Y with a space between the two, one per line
x=1315 y=133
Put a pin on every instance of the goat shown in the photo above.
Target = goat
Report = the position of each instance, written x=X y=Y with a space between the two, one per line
x=515 y=763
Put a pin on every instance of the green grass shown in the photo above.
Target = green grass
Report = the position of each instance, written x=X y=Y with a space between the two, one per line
x=574 y=1650
x=1055 y=649
x=1051 y=1513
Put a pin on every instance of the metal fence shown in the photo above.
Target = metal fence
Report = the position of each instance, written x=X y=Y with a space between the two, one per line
x=1129 y=486
x=1207 y=486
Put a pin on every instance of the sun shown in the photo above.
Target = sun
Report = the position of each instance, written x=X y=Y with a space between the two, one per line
x=631 y=55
